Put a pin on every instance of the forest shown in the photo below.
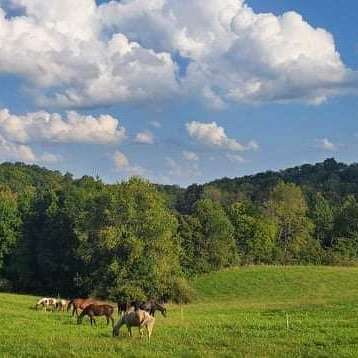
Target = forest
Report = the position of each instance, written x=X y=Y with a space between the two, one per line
x=135 y=239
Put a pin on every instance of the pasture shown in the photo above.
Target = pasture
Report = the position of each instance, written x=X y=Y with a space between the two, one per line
x=248 y=312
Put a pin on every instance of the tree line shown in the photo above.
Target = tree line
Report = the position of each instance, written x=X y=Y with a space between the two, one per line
x=134 y=239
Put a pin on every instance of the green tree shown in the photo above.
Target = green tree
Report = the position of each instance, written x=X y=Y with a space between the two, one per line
x=128 y=243
x=9 y=223
x=217 y=244
x=243 y=218
x=323 y=218
x=288 y=208
x=262 y=246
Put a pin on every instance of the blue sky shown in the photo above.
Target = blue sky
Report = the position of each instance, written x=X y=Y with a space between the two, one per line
x=162 y=96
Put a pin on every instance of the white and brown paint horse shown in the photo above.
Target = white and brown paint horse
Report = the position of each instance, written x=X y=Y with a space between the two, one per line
x=46 y=303
x=62 y=304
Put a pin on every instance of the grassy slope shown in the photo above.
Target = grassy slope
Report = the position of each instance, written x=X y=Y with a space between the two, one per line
x=241 y=312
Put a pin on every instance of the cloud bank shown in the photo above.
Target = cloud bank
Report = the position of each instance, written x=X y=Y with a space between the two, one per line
x=218 y=51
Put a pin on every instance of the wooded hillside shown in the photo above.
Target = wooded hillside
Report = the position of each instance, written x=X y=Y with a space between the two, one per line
x=135 y=239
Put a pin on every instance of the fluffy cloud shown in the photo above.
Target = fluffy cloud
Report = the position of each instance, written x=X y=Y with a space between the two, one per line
x=214 y=135
x=52 y=127
x=235 y=54
x=10 y=151
x=326 y=144
x=144 y=138
x=88 y=55
x=123 y=165
x=17 y=152
x=64 y=51
x=190 y=156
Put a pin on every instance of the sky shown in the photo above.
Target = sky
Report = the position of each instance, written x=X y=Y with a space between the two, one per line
x=178 y=91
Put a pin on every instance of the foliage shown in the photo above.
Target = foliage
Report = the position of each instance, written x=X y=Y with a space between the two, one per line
x=9 y=222
x=78 y=237
x=288 y=208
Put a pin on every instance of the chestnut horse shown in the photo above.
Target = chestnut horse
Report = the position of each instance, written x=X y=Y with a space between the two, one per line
x=79 y=303
x=95 y=310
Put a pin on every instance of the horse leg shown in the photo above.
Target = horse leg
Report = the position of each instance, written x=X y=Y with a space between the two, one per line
x=129 y=331
x=149 y=329
x=112 y=319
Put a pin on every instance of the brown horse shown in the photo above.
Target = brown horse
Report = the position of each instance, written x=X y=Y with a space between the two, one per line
x=80 y=303
x=94 y=310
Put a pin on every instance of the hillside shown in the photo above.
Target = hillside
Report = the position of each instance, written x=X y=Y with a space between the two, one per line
x=333 y=179
x=279 y=285
x=251 y=312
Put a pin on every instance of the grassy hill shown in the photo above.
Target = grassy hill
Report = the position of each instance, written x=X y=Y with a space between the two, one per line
x=248 y=312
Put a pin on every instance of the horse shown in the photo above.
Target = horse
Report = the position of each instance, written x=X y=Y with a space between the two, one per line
x=79 y=303
x=61 y=304
x=94 y=310
x=123 y=307
x=152 y=306
x=46 y=302
x=135 y=318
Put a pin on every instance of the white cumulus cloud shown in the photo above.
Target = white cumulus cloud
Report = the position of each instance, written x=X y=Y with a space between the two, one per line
x=87 y=55
x=52 y=127
x=234 y=53
x=214 y=135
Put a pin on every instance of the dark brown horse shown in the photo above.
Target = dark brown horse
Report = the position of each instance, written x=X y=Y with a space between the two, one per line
x=80 y=303
x=150 y=306
x=94 y=310
x=123 y=307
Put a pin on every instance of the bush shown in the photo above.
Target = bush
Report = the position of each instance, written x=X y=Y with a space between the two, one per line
x=182 y=292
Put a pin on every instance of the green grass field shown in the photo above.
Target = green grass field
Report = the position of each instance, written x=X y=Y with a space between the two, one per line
x=245 y=312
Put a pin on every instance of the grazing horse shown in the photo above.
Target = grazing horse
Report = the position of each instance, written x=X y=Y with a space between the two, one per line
x=46 y=302
x=79 y=303
x=94 y=310
x=152 y=306
x=135 y=318
x=61 y=304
